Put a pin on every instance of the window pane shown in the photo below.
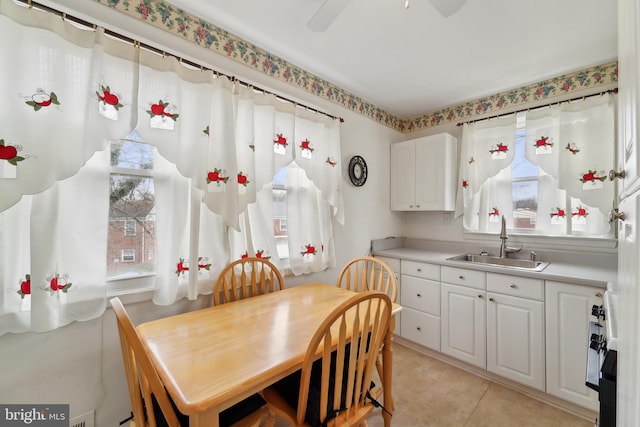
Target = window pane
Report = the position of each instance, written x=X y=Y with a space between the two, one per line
x=521 y=167
x=131 y=235
x=525 y=203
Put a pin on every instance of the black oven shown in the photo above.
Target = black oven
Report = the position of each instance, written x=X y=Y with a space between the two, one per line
x=602 y=361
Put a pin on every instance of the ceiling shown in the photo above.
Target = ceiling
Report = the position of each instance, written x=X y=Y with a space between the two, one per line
x=414 y=61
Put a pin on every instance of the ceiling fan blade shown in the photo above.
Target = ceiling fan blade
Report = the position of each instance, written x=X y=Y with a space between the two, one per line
x=447 y=7
x=326 y=14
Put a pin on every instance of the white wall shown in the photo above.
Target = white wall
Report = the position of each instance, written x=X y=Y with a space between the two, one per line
x=81 y=364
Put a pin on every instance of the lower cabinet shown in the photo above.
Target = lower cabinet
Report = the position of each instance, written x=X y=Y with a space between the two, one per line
x=394 y=263
x=463 y=314
x=515 y=339
x=568 y=315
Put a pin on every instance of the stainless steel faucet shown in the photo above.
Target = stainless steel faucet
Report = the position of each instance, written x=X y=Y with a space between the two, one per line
x=504 y=249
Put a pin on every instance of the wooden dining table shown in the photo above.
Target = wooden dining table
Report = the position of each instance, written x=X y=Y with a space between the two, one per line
x=212 y=358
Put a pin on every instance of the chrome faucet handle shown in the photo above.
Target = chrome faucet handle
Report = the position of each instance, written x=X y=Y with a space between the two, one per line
x=533 y=256
x=510 y=250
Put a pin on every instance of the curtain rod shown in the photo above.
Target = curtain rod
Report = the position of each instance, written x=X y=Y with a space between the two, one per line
x=180 y=59
x=540 y=106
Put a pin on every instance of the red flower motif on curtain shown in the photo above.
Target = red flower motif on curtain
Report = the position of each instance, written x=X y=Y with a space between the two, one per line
x=160 y=109
x=41 y=99
x=501 y=148
x=108 y=97
x=206 y=131
x=58 y=283
x=242 y=179
x=25 y=286
x=543 y=141
x=216 y=176
x=591 y=176
x=465 y=183
x=580 y=212
x=10 y=153
x=183 y=266
x=558 y=213
x=260 y=254
x=306 y=145
x=572 y=148
x=331 y=162
x=309 y=249
x=280 y=140
x=494 y=211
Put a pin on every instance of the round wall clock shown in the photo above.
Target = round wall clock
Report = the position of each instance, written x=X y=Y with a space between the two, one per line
x=357 y=171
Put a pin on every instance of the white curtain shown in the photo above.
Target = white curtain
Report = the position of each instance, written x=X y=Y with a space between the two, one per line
x=572 y=146
x=487 y=151
x=218 y=145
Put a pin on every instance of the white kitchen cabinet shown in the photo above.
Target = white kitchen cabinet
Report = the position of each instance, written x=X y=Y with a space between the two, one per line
x=515 y=328
x=394 y=263
x=463 y=319
x=515 y=339
x=568 y=312
x=420 y=296
x=423 y=174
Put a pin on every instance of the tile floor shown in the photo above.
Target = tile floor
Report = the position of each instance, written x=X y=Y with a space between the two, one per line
x=430 y=393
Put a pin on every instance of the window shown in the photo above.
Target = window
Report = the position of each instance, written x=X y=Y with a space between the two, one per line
x=128 y=255
x=129 y=228
x=131 y=209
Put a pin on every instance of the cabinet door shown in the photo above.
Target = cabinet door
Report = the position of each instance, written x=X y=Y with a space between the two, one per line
x=568 y=312
x=515 y=339
x=435 y=170
x=403 y=176
x=422 y=328
x=628 y=96
x=463 y=334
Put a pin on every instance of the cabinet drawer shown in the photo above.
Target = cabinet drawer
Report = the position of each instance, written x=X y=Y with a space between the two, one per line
x=420 y=294
x=421 y=328
x=460 y=276
x=524 y=287
x=420 y=269
x=394 y=263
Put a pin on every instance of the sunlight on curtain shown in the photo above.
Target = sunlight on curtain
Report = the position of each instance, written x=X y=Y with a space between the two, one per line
x=68 y=93
x=545 y=170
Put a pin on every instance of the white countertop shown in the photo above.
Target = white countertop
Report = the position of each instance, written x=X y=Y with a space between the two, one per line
x=578 y=272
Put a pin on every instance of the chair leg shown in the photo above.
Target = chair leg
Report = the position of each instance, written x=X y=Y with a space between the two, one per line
x=270 y=420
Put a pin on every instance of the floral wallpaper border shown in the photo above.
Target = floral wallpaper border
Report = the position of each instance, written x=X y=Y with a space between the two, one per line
x=178 y=22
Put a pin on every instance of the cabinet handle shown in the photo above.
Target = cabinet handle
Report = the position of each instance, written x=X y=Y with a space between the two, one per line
x=461 y=277
x=598 y=294
x=615 y=215
x=418 y=328
x=419 y=269
x=613 y=174
x=514 y=286
x=417 y=206
x=419 y=296
x=491 y=299
x=480 y=296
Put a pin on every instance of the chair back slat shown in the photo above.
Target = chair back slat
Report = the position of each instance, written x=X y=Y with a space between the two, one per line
x=245 y=278
x=369 y=273
x=142 y=377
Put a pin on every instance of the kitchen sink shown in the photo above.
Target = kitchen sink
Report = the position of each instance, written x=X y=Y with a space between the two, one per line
x=520 y=264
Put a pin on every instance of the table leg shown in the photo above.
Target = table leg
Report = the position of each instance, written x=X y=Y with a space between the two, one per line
x=205 y=419
x=387 y=369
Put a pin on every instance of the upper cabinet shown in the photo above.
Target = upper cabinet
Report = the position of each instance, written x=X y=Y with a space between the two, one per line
x=423 y=174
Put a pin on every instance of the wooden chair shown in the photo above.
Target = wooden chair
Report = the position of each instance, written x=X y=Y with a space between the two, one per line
x=245 y=278
x=149 y=399
x=370 y=273
x=332 y=386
